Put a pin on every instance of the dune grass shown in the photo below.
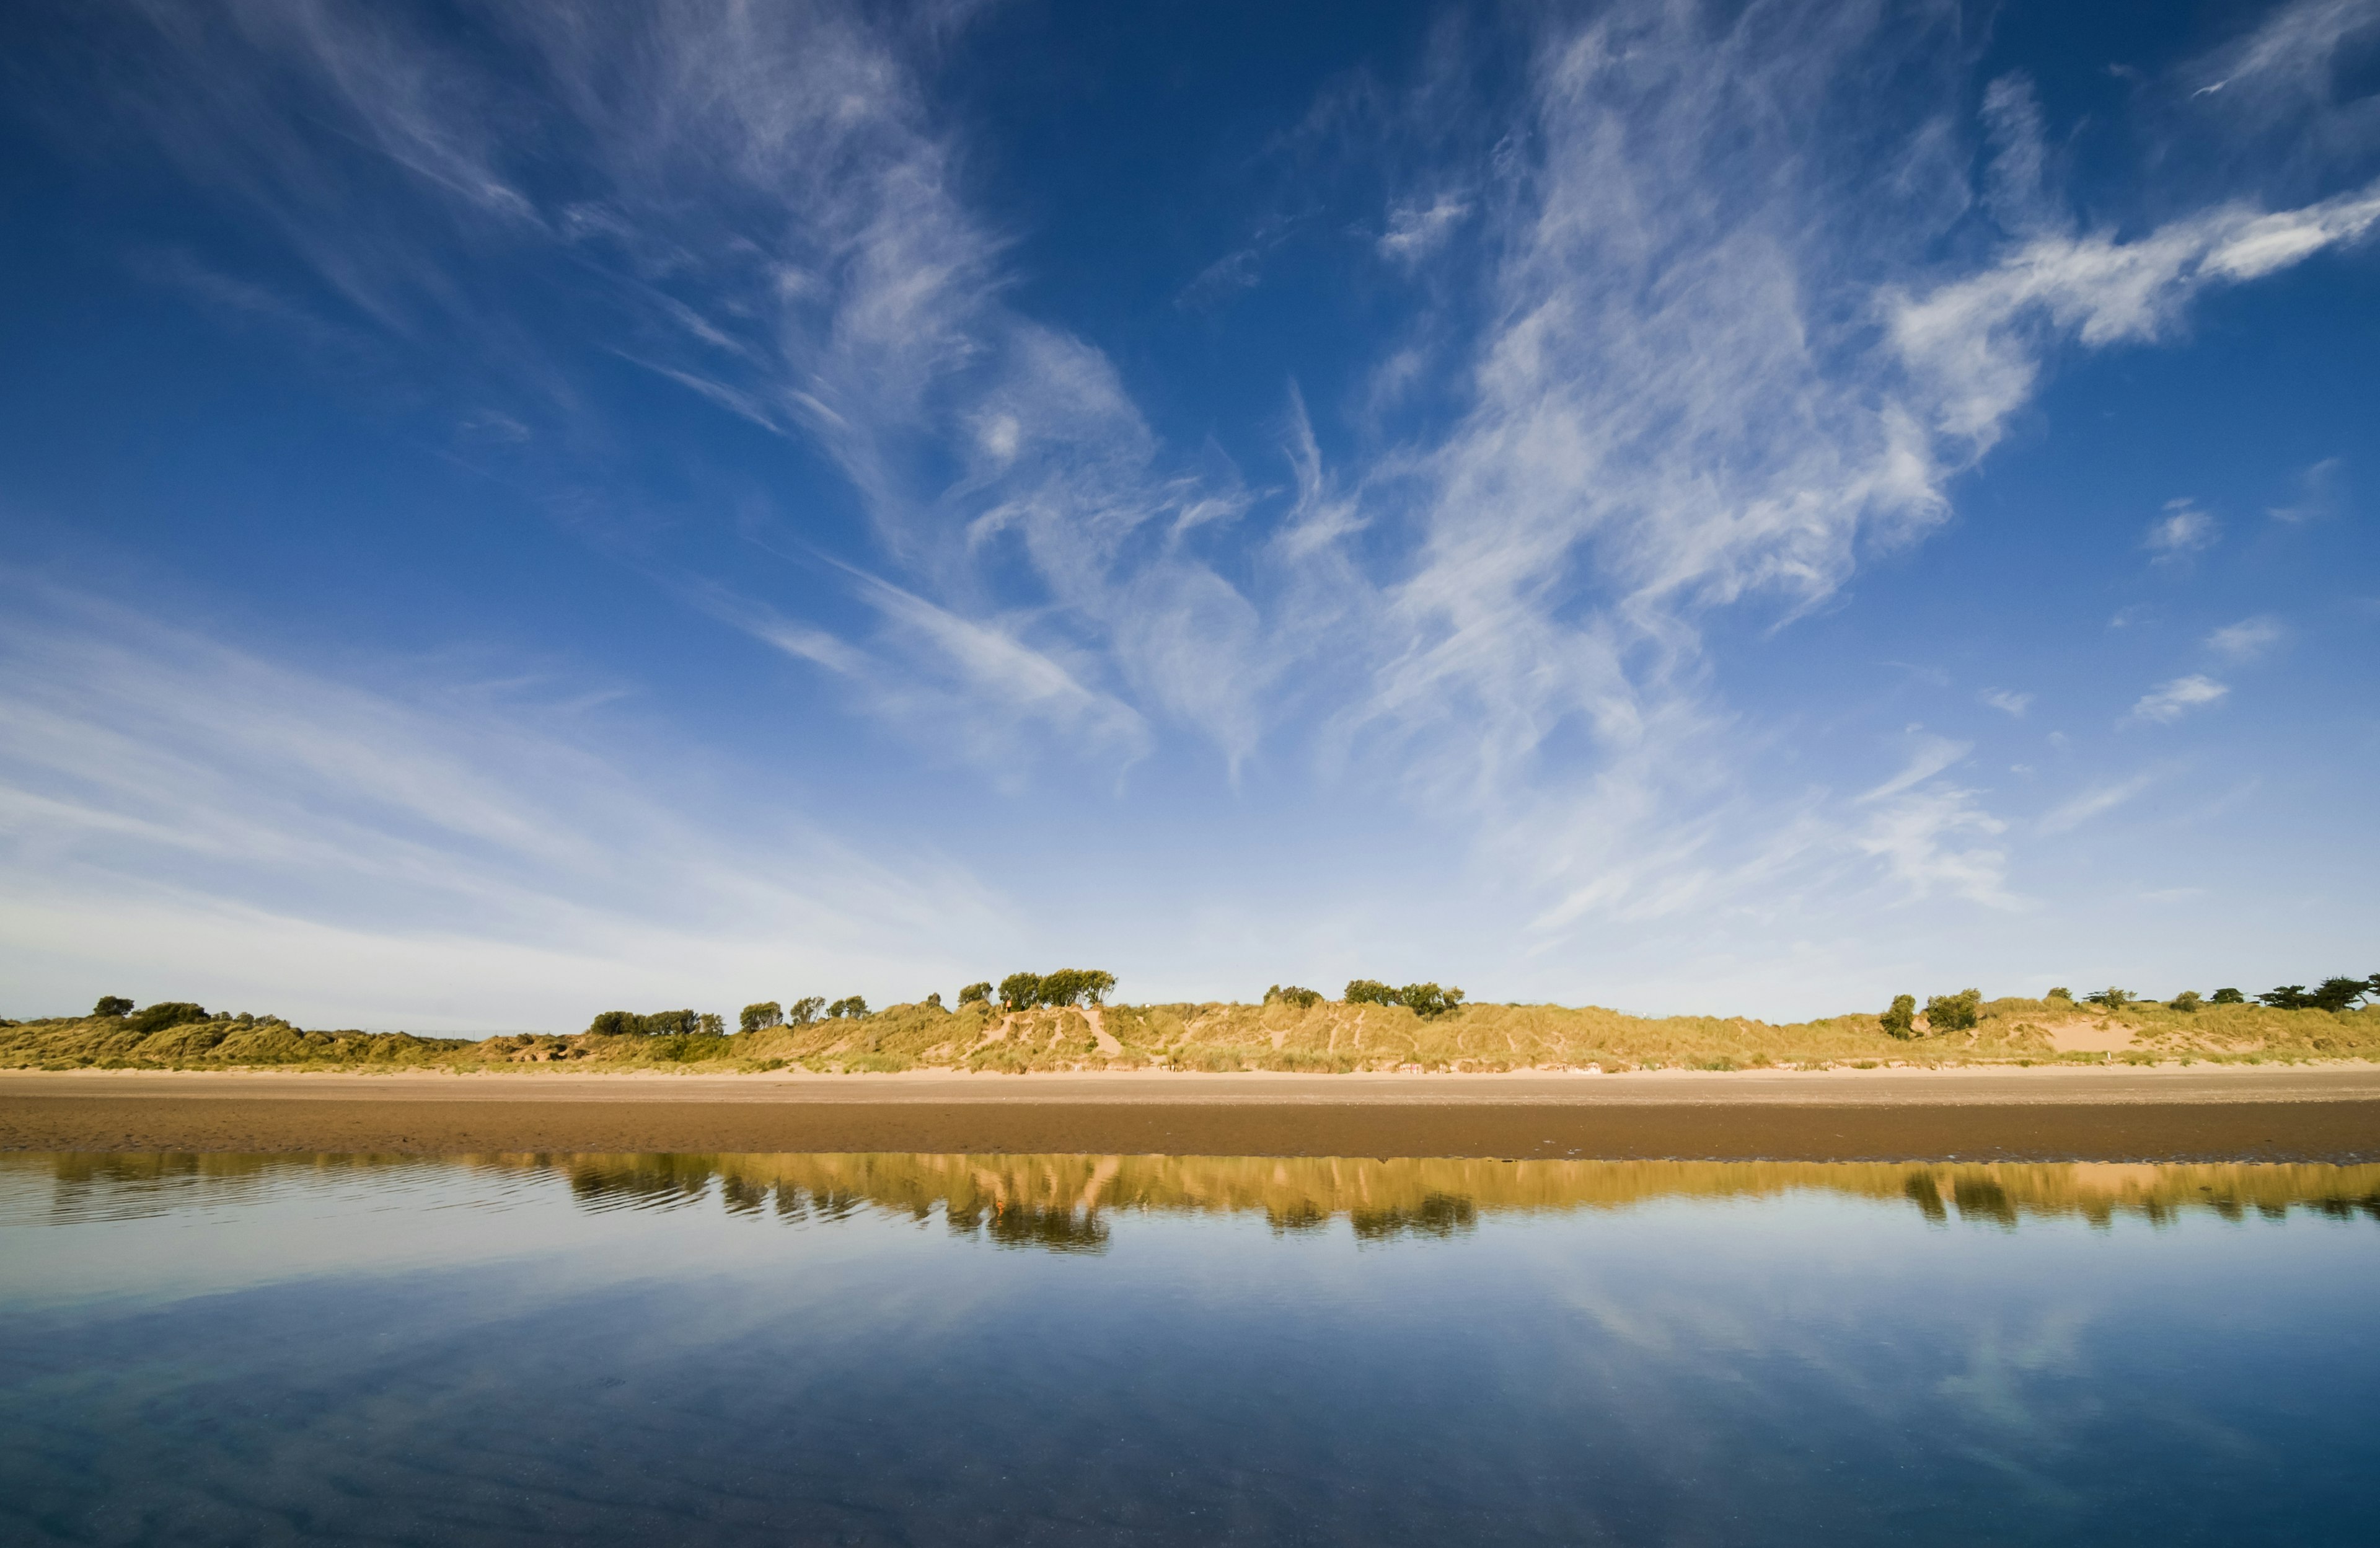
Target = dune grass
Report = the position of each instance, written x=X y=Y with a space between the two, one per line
x=1329 y=1037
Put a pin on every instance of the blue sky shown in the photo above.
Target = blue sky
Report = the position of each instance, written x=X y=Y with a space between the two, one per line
x=506 y=511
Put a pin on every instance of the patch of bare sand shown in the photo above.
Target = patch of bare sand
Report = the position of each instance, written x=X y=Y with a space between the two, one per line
x=2085 y=1034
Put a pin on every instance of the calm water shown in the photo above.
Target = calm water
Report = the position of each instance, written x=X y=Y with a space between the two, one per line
x=879 y=1349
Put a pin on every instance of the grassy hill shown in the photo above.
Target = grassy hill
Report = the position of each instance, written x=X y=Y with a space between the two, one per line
x=1332 y=1036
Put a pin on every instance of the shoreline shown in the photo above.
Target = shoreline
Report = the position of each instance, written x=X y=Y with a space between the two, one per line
x=2324 y=1112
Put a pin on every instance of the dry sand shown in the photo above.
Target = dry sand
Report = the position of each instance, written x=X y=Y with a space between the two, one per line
x=2322 y=1113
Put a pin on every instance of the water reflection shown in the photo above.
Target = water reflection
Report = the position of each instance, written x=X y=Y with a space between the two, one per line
x=1068 y=1203
x=504 y=1350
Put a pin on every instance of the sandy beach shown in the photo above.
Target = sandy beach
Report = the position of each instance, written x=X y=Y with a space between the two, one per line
x=2317 y=1113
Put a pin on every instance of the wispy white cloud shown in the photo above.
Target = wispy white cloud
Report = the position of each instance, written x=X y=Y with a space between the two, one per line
x=160 y=790
x=2170 y=701
x=2246 y=639
x=1976 y=346
x=2182 y=532
x=2322 y=489
x=1415 y=230
x=2097 y=801
x=2008 y=702
x=1722 y=354
x=1934 y=836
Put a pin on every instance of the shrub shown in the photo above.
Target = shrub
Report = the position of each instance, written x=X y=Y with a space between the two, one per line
x=168 y=1013
x=661 y=1023
x=1428 y=1001
x=2187 y=999
x=759 y=1017
x=852 y=1005
x=1067 y=986
x=1369 y=991
x=2228 y=998
x=1901 y=1020
x=1303 y=999
x=975 y=994
x=2113 y=999
x=2288 y=996
x=111 y=1005
x=1070 y=986
x=2062 y=993
x=935 y=999
x=1954 y=1013
x=804 y=1011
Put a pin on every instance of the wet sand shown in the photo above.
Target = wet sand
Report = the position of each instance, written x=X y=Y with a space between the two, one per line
x=2124 y=1114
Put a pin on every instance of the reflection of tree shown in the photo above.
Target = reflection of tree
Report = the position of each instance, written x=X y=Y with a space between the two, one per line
x=1443 y=1215
x=1063 y=1202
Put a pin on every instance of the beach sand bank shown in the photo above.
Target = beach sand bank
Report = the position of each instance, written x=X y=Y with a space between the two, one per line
x=2319 y=1113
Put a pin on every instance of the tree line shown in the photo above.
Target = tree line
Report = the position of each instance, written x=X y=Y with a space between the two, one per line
x=1959 y=1013
x=1425 y=1000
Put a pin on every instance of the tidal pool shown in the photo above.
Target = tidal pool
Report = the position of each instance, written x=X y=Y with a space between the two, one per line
x=1061 y=1349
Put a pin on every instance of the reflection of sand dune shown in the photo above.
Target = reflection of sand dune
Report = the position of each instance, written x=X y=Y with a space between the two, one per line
x=1067 y=1202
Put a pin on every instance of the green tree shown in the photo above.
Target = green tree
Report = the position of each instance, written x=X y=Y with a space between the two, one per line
x=1954 y=1013
x=2338 y=993
x=804 y=1011
x=851 y=1005
x=168 y=1013
x=1369 y=991
x=2228 y=998
x=2113 y=999
x=975 y=994
x=1293 y=995
x=1901 y=1020
x=1428 y=1001
x=1020 y=991
x=2187 y=999
x=2288 y=996
x=111 y=1005
x=760 y=1016
x=660 y=1023
x=2060 y=993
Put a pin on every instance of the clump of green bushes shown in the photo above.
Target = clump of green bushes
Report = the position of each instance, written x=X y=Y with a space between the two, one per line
x=1304 y=999
x=1944 y=1013
x=1067 y=986
x=1425 y=1000
x=660 y=1023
